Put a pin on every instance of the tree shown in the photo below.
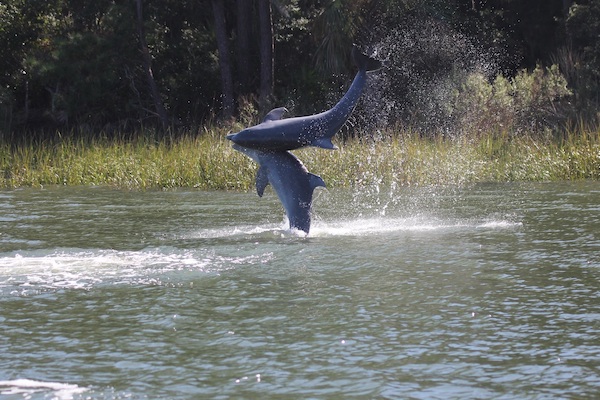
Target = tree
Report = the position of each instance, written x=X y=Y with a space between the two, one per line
x=147 y=62
x=72 y=63
x=266 y=54
x=244 y=15
x=334 y=31
x=224 y=59
x=583 y=29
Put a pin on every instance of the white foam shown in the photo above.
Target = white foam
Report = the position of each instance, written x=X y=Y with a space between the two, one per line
x=380 y=225
x=352 y=227
x=233 y=231
x=28 y=387
x=500 y=224
x=268 y=231
x=38 y=271
x=33 y=272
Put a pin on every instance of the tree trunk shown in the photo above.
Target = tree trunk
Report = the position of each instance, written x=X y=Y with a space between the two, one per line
x=147 y=62
x=566 y=6
x=244 y=15
x=266 y=54
x=224 y=59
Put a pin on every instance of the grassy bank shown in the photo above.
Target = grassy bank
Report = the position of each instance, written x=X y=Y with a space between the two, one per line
x=207 y=161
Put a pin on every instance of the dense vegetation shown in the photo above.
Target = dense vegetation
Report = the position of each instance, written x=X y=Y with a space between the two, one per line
x=135 y=84
x=207 y=161
x=88 y=65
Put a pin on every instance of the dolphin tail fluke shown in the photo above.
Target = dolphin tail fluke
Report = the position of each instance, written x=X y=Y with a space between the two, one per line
x=364 y=62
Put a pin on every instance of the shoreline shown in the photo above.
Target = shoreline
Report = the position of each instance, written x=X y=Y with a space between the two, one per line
x=207 y=161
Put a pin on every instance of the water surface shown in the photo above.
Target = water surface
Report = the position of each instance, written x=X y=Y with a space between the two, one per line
x=484 y=291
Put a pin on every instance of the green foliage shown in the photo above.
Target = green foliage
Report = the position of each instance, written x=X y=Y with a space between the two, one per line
x=79 y=73
x=334 y=29
x=582 y=55
x=77 y=64
x=529 y=102
x=207 y=161
x=140 y=164
x=583 y=24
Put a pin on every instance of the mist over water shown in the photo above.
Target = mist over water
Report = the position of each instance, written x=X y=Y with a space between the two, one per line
x=426 y=62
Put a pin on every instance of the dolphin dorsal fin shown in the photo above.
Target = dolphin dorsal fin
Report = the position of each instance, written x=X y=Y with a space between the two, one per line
x=275 y=114
x=262 y=180
x=315 y=181
x=324 y=143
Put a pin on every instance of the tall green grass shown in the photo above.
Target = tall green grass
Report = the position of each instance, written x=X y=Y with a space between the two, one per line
x=203 y=161
x=409 y=159
x=207 y=161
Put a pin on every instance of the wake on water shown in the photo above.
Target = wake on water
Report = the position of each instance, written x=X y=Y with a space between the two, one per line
x=352 y=227
x=386 y=226
x=207 y=251
x=26 y=388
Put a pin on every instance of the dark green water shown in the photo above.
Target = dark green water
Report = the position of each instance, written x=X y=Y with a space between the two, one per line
x=486 y=291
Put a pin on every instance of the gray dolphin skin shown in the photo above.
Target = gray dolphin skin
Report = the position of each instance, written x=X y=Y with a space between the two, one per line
x=275 y=133
x=291 y=181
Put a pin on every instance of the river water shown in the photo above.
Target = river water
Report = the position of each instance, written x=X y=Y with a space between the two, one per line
x=483 y=291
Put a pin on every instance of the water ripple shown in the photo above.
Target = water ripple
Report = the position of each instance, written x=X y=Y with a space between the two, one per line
x=489 y=291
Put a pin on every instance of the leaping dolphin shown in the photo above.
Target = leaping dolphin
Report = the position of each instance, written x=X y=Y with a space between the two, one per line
x=275 y=133
x=291 y=181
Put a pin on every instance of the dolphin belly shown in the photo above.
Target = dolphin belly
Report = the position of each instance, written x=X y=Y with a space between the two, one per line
x=291 y=181
x=273 y=135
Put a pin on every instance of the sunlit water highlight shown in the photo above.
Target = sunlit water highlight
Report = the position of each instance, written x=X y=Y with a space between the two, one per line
x=486 y=291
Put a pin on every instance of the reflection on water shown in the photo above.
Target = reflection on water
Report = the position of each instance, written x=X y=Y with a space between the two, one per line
x=489 y=291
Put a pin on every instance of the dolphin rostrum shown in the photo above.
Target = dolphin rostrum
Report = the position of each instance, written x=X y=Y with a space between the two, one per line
x=275 y=133
x=291 y=181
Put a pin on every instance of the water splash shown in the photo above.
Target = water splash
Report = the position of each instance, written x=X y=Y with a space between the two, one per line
x=426 y=63
x=35 y=272
x=373 y=207
x=376 y=223
x=28 y=388
x=386 y=226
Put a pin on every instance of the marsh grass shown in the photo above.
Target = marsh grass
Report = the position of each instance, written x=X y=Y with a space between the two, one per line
x=207 y=161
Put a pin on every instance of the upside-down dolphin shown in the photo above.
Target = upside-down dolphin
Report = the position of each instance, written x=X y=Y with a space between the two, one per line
x=291 y=181
x=275 y=133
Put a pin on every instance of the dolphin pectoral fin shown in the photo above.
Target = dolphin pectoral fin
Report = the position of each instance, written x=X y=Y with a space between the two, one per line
x=324 y=143
x=275 y=114
x=262 y=180
x=315 y=181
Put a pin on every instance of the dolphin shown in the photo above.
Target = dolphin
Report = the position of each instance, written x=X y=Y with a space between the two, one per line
x=291 y=181
x=275 y=133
